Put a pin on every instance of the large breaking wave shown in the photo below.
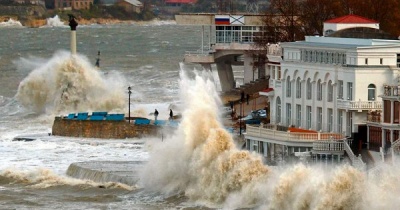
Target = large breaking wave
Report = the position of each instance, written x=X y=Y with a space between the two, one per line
x=202 y=162
x=68 y=83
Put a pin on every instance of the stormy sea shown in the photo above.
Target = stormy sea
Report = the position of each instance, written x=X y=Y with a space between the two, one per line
x=196 y=166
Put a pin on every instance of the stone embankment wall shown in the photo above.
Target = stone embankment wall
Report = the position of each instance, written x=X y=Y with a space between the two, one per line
x=102 y=129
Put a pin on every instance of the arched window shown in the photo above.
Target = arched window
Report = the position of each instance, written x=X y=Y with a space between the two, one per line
x=330 y=91
x=278 y=110
x=319 y=90
x=329 y=31
x=298 y=88
x=309 y=89
x=371 y=92
x=288 y=87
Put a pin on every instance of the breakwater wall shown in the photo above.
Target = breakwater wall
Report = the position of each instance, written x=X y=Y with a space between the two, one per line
x=102 y=129
x=125 y=172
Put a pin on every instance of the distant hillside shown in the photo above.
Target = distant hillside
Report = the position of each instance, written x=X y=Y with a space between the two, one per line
x=35 y=15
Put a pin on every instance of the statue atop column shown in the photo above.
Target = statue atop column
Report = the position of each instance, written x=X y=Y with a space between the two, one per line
x=72 y=22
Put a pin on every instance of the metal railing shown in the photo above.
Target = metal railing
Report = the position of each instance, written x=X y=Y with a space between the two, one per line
x=365 y=105
x=273 y=132
x=355 y=161
x=396 y=143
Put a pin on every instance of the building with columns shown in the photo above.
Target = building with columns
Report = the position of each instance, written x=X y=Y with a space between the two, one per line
x=328 y=85
x=384 y=126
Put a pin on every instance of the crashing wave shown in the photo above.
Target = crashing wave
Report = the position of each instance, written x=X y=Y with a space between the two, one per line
x=55 y=22
x=71 y=83
x=11 y=23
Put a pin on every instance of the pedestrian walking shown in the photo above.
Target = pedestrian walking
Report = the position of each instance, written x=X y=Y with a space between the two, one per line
x=247 y=98
x=155 y=115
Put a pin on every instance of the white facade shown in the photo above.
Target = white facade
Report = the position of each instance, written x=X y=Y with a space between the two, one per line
x=329 y=84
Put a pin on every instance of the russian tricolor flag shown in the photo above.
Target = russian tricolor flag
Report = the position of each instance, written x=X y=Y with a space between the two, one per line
x=222 y=20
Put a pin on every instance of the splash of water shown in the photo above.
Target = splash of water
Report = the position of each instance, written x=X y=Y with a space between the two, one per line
x=11 y=23
x=44 y=178
x=201 y=161
x=55 y=22
x=69 y=84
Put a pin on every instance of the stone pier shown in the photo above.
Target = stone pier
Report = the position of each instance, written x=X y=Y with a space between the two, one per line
x=125 y=172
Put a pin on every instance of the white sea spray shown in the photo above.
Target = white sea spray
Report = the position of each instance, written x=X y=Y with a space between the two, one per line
x=201 y=161
x=69 y=83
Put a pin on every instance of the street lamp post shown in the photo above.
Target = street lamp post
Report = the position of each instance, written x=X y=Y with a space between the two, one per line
x=129 y=104
x=240 y=119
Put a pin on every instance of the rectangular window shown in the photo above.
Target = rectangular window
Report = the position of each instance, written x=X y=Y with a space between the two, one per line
x=298 y=115
x=288 y=114
x=319 y=91
x=330 y=92
x=366 y=61
x=349 y=91
x=298 y=89
x=309 y=115
x=319 y=118
x=279 y=73
x=306 y=56
x=288 y=88
x=340 y=121
x=381 y=61
x=340 y=89
x=309 y=89
x=330 y=120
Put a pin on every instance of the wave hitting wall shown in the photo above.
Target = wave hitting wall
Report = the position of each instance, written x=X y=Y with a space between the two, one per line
x=202 y=162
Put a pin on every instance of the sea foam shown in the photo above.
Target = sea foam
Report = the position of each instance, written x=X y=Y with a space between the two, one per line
x=201 y=161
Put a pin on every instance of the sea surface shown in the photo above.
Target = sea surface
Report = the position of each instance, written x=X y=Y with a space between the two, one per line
x=196 y=166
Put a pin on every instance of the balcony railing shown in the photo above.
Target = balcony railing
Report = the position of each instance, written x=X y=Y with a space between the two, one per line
x=359 y=105
x=328 y=146
x=356 y=161
x=391 y=90
x=273 y=132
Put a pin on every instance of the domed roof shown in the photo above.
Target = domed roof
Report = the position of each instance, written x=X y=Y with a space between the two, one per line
x=362 y=33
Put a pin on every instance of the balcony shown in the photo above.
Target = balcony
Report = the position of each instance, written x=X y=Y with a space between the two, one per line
x=272 y=132
x=359 y=105
x=391 y=90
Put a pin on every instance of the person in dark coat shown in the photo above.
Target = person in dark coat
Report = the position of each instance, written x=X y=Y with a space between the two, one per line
x=155 y=114
x=171 y=114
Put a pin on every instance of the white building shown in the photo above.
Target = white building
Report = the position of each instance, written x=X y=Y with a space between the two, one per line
x=328 y=85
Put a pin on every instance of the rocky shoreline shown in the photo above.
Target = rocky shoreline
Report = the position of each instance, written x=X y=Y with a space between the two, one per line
x=36 y=23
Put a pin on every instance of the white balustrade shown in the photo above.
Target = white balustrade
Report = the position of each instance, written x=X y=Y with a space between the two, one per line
x=355 y=161
x=363 y=105
x=271 y=132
